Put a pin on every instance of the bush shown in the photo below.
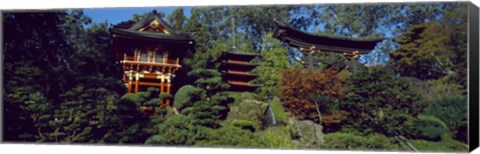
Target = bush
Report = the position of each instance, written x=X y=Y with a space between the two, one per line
x=302 y=91
x=450 y=109
x=185 y=96
x=176 y=130
x=278 y=137
x=244 y=124
x=205 y=113
x=279 y=111
x=230 y=136
x=165 y=95
x=153 y=102
x=356 y=142
x=245 y=108
x=376 y=98
x=129 y=97
x=429 y=128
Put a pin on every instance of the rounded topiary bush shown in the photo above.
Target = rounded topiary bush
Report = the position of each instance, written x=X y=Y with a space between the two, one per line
x=153 y=102
x=185 y=96
x=165 y=95
x=450 y=109
x=129 y=97
x=430 y=128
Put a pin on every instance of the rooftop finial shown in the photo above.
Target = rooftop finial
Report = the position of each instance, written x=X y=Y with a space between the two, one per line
x=154 y=11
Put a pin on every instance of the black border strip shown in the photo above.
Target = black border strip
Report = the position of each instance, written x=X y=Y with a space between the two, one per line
x=473 y=92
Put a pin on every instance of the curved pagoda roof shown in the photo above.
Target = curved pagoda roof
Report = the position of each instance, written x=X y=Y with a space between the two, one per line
x=239 y=76
x=237 y=66
x=238 y=56
x=299 y=39
x=151 y=28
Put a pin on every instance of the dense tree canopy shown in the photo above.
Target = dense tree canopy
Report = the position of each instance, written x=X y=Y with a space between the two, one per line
x=64 y=85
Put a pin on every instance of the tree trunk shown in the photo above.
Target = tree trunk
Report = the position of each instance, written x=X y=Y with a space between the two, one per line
x=318 y=112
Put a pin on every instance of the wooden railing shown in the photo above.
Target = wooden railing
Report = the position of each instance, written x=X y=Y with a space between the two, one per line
x=150 y=67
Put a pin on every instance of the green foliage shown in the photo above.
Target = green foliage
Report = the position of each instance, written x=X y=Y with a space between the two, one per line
x=177 y=18
x=430 y=128
x=230 y=136
x=130 y=97
x=278 y=137
x=279 y=111
x=450 y=109
x=245 y=107
x=447 y=144
x=274 y=59
x=346 y=141
x=245 y=124
x=205 y=113
x=207 y=104
x=419 y=54
x=126 y=123
x=431 y=50
x=376 y=97
x=208 y=79
x=186 y=96
x=153 y=102
x=165 y=95
x=176 y=130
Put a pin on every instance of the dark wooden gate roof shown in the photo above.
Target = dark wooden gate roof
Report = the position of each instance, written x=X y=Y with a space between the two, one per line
x=299 y=39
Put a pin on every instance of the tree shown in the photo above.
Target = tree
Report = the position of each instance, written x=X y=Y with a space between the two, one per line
x=177 y=18
x=421 y=54
x=212 y=105
x=126 y=123
x=309 y=93
x=63 y=80
x=379 y=101
x=274 y=59
x=435 y=49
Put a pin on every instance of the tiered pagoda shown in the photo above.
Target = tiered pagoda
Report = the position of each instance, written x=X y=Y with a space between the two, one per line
x=235 y=68
x=309 y=44
x=150 y=52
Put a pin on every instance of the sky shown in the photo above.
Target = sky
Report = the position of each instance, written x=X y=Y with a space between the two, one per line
x=117 y=15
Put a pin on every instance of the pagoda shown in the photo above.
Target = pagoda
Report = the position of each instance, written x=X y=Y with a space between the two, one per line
x=235 y=68
x=150 y=52
x=309 y=44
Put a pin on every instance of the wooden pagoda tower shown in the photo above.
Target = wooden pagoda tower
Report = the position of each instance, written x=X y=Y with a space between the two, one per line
x=150 y=52
x=235 y=68
x=308 y=43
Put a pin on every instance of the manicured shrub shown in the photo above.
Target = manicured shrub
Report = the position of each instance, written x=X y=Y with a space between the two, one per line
x=379 y=101
x=279 y=111
x=129 y=97
x=450 y=109
x=244 y=124
x=230 y=136
x=165 y=95
x=245 y=107
x=153 y=102
x=429 y=128
x=186 y=96
x=278 y=137
x=176 y=130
